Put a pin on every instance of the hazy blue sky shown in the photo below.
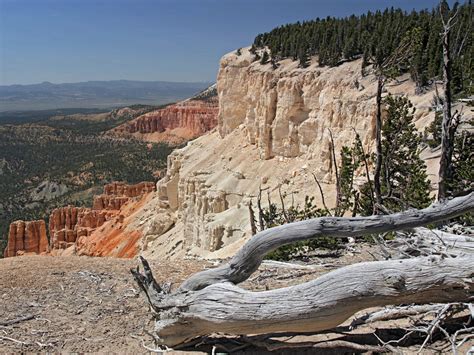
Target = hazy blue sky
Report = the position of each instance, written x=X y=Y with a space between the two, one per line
x=174 y=40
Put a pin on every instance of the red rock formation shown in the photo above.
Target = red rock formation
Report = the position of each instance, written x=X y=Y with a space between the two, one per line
x=192 y=117
x=26 y=237
x=67 y=224
x=122 y=189
x=96 y=231
x=118 y=237
x=117 y=194
x=76 y=225
x=93 y=219
x=108 y=202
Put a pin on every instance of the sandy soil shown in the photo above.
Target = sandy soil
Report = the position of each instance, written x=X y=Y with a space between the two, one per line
x=84 y=304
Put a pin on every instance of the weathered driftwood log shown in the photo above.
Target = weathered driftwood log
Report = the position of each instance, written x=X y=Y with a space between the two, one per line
x=313 y=306
x=209 y=301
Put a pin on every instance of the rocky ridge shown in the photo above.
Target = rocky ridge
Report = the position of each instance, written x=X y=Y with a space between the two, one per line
x=173 y=124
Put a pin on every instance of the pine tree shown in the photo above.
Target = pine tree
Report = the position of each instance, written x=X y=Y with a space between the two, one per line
x=404 y=181
x=434 y=129
x=350 y=162
x=377 y=36
x=265 y=57
x=303 y=57
x=462 y=180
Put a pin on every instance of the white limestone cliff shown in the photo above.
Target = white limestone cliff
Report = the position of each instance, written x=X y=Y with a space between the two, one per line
x=273 y=130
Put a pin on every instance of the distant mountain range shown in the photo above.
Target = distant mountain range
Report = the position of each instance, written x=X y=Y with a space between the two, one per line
x=94 y=94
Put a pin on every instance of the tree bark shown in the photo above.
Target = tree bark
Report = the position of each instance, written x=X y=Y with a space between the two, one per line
x=378 y=143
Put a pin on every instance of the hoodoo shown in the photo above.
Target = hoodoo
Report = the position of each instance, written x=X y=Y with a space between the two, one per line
x=67 y=224
x=27 y=237
x=77 y=228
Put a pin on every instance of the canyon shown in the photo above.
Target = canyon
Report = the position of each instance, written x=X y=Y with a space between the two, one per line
x=173 y=124
x=273 y=134
x=75 y=230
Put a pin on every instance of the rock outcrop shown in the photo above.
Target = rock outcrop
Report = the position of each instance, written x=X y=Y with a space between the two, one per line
x=173 y=124
x=273 y=130
x=117 y=194
x=98 y=231
x=108 y=202
x=26 y=238
x=288 y=112
x=123 y=189
x=114 y=211
x=67 y=224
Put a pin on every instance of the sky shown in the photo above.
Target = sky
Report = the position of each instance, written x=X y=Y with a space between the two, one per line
x=172 y=40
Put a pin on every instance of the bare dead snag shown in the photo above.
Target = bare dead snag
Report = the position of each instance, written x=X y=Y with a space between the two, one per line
x=253 y=227
x=448 y=126
x=338 y=181
x=378 y=142
x=260 y=210
x=283 y=205
x=210 y=302
x=323 y=200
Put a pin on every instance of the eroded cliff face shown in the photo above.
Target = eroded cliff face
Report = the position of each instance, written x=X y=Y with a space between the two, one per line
x=104 y=229
x=273 y=130
x=122 y=189
x=27 y=238
x=175 y=123
x=67 y=224
x=117 y=194
x=118 y=235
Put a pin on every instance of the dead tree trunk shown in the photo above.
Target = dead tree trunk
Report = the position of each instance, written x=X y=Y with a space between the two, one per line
x=209 y=302
x=313 y=306
x=336 y=171
x=378 y=144
x=447 y=126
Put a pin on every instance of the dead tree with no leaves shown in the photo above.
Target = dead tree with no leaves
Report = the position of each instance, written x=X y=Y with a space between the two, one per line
x=449 y=124
x=210 y=302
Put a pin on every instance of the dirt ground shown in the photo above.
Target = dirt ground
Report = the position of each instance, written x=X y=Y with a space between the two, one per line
x=83 y=304
x=76 y=304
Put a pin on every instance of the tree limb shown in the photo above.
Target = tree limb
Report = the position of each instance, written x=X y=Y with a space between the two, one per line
x=250 y=256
